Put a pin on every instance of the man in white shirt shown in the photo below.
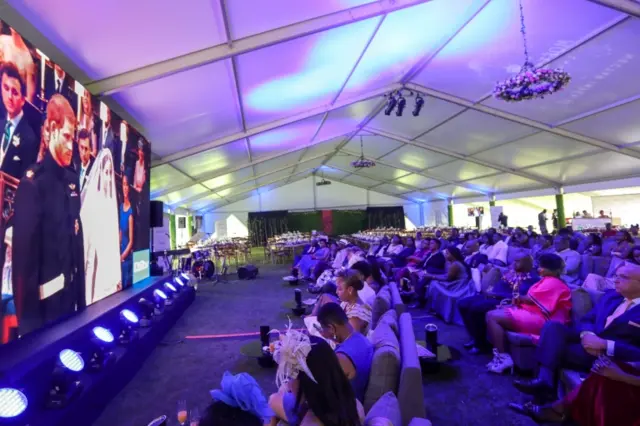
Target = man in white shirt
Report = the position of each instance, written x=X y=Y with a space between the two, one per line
x=342 y=255
x=571 y=258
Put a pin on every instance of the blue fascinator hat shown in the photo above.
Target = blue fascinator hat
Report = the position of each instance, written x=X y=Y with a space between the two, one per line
x=242 y=391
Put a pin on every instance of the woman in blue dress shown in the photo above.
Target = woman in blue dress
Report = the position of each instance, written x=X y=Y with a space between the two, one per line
x=126 y=235
x=309 y=261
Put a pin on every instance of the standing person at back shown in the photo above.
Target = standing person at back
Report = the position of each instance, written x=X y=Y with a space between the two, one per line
x=542 y=221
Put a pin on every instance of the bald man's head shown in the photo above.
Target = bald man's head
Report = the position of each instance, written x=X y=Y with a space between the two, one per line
x=471 y=247
x=627 y=280
x=523 y=263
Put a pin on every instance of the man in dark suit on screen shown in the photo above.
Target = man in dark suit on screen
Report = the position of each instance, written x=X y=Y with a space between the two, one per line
x=19 y=143
x=47 y=250
x=56 y=81
x=85 y=161
x=611 y=328
x=107 y=138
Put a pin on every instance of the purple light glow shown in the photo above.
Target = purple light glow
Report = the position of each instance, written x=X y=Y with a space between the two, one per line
x=308 y=73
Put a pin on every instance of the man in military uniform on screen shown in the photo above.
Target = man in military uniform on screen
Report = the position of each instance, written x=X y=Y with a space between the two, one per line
x=47 y=251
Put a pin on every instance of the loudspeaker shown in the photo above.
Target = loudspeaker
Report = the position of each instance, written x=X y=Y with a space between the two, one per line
x=156 y=219
x=247 y=272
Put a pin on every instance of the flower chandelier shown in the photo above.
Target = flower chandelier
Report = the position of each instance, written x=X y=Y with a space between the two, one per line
x=362 y=163
x=530 y=82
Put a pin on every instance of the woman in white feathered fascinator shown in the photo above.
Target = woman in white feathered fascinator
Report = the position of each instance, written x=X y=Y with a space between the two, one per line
x=312 y=385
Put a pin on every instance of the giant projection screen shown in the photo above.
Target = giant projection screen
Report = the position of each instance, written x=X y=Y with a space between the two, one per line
x=74 y=193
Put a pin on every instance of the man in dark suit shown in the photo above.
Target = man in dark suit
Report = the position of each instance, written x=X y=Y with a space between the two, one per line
x=47 y=249
x=611 y=328
x=433 y=264
x=19 y=147
x=57 y=81
x=85 y=161
x=107 y=139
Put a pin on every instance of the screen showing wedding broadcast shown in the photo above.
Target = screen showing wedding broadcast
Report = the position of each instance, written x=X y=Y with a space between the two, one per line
x=74 y=193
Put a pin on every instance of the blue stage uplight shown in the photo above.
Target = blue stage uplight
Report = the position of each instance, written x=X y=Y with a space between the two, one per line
x=159 y=294
x=103 y=334
x=170 y=287
x=179 y=281
x=129 y=316
x=71 y=360
x=12 y=403
x=185 y=276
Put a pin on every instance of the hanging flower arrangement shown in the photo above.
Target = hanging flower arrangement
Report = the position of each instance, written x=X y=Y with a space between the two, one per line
x=530 y=82
x=362 y=163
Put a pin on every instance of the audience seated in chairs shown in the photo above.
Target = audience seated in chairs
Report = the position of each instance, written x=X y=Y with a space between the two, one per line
x=239 y=402
x=610 y=395
x=412 y=262
x=445 y=289
x=593 y=245
x=365 y=270
x=348 y=285
x=308 y=249
x=355 y=351
x=435 y=263
x=313 y=389
x=610 y=329
x=473 y=309
x=307 y=263
x=394 y=248
x=400 y=259
x=547 y=300
x=597 y=283
x=544 y=245
x=571 y=259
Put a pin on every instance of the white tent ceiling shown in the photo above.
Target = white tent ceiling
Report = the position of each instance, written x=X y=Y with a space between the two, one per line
x=237 y=95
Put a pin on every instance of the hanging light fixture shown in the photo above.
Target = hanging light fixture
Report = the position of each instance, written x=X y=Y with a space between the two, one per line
x=362 y=163
x=530 y=82
x=322 y=182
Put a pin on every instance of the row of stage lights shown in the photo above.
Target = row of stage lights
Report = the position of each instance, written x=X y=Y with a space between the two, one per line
x=65 y=383
x=396 y=100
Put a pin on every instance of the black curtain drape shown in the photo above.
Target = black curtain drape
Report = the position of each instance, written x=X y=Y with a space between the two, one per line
x=263 y=225
x=385 y=217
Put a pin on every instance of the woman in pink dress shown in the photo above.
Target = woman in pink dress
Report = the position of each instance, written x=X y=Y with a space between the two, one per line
x=547 y=300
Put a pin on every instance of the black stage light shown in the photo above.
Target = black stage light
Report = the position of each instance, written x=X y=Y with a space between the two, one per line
x=101 y=355
x=160 y=299
x=65 y=381
x=147 y=310
x=130 y=323
x=419 y=105
x=402 y=102
x=391 y=104
x=171 y=291
x=299 y=309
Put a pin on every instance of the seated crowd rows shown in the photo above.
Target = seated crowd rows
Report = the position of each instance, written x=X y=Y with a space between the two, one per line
x=494 y=283
x=514 y=281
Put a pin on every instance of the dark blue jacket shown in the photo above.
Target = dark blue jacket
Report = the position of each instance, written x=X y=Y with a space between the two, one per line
x=624 y=330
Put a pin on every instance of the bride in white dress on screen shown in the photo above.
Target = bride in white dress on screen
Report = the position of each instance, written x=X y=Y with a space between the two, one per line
x=99 y=214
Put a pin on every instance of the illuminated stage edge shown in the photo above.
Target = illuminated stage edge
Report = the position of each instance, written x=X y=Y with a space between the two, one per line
x=28 y=364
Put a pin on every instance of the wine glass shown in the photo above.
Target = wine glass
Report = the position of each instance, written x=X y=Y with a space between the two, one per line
x=194 y=417
x=182 y=411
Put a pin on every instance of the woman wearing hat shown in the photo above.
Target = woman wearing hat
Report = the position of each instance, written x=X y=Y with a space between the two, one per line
x=547 y=300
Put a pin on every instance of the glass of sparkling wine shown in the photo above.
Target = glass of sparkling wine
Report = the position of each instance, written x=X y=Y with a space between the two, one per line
x=182 y=411
x=194 y=417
